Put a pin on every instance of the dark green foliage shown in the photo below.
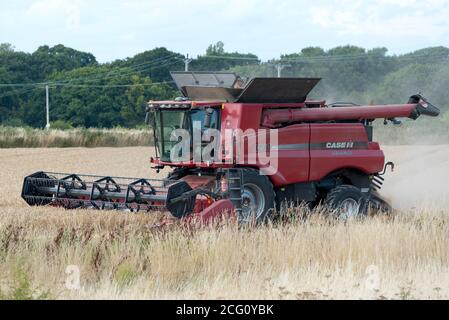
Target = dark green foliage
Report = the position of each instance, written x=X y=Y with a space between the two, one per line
x=61 y=125
x=363 y=76
x=217 y=59
x=46 y=61
x=155 y=64
x=84 y=93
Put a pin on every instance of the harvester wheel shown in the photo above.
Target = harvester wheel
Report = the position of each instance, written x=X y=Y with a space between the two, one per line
x=258 y=198
x=379 y=205
x=346 y=202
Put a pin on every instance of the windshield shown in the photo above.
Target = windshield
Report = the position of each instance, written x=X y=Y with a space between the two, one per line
x=168 y=121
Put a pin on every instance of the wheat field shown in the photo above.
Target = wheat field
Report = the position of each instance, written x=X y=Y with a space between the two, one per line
x=124 y=256
x=12 y=137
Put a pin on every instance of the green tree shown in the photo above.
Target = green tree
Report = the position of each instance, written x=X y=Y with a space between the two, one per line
x=432 y=80
x=347 y=71
x=133 y=112
x=217 y=59
x=84 y=93
x=96 y=96
x=216 y=49
x=48 y=60
x=423 y=56
x=155 y=64
x=6 y=47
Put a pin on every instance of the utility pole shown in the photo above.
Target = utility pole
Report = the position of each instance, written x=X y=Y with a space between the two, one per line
x=279 y=67
x=187 y=62
x=47 y=93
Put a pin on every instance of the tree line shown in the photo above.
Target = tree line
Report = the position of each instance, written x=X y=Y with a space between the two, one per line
x=86 y=93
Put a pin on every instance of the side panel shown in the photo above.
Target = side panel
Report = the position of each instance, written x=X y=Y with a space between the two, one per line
x=293 y=155
x=293 y=161
x=238 y=116
x=338 y=146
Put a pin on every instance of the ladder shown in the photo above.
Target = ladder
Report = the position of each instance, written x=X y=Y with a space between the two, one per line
x=235 y=182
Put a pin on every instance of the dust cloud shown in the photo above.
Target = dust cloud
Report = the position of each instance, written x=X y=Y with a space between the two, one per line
x=420 y=179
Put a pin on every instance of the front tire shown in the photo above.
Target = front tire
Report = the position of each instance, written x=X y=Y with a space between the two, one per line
x=258 y=198
x=346 y=202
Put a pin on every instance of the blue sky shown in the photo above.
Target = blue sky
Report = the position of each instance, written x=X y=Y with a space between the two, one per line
x=117 y=29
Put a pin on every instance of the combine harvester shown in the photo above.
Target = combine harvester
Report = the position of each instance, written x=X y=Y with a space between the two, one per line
x=325 y=154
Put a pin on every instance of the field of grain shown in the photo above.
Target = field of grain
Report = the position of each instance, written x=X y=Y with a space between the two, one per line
x=122 y=256
x=12 y=137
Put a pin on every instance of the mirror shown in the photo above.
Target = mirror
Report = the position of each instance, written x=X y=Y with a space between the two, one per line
x=150 y=119
x=208 y=118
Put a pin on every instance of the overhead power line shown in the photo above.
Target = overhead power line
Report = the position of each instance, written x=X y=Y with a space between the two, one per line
x=173 y=58
x=57 y=84
x=20 y=84
x=109 y=85
x=158 y=63
x=17 y=92
x=338 y=58
x=29 y=89
x=123 y=71
x=119 y=74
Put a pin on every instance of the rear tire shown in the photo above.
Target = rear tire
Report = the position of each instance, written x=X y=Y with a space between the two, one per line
x=346 y=202
x=379 y=205
x=258 y=198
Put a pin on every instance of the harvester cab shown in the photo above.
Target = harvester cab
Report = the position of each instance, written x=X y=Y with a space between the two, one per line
x=245 y=150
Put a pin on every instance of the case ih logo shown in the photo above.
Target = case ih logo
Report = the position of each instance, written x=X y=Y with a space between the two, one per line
x=424 y=104
x=340 y=145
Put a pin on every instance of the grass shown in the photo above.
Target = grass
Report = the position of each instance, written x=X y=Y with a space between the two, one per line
x=121 y=256
x=35 y=138
x=20 y=288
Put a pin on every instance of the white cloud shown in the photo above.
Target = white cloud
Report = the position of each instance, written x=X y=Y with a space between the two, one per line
x=414 y=3
x=114 y=29
x=382 y=19
x=56 y=11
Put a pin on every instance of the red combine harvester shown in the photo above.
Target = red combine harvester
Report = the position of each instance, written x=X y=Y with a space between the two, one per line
x=325 y=154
